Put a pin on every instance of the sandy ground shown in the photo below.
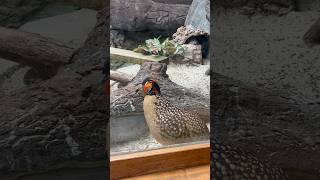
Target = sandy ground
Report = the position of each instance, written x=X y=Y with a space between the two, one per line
x=142 y=144
x=269 y=52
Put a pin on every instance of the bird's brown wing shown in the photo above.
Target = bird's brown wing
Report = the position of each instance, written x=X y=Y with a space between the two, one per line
x=178 y=121
x=195 y=125
x=172 y=124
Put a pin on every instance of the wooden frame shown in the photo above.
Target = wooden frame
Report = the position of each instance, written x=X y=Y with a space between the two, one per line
x=159 y=160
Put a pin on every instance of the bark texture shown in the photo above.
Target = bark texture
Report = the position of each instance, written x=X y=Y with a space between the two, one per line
x=62 y=121
x=33 y=49
x=145 y=15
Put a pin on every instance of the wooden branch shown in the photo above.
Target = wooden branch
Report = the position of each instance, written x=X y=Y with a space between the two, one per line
x=33 y=49
x=197 y=172
x=121 y=77
x=165 y=159
x=127 y=56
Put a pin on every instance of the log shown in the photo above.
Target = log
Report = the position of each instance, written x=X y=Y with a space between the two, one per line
x=33 y=49
x=123 y=78
x=149 y=15
x=128 y=56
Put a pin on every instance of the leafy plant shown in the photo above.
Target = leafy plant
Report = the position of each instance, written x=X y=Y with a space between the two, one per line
x=154 y=46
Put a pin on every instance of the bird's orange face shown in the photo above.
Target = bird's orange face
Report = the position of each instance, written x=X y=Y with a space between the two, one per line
x=151 y=87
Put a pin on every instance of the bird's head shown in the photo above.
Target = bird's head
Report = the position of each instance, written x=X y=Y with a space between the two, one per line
x=150 y=87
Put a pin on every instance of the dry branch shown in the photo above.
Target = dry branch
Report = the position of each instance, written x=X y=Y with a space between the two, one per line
x=121 y=77
x=33 y=49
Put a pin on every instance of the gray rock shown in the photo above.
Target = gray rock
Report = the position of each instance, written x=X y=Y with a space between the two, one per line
x=199 y=15
x=116 y=38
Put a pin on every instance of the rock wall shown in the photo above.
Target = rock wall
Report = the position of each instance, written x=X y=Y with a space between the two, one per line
x=62 y=121
x=267 y=52
x=13 y=13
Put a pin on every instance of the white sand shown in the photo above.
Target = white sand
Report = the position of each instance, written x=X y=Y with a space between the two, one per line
x=142 y=144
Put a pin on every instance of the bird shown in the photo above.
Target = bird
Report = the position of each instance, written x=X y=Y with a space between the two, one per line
x=168 y=123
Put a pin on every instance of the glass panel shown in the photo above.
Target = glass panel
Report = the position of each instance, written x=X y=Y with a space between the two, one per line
x=159 y=84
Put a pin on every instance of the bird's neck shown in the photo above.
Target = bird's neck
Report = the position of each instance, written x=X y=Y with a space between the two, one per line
x=155 y=95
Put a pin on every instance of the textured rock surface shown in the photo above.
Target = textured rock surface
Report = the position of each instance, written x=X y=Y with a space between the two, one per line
x=61 y=121
x=278 y=7
x=146 y=15
x=183 y=34
x=116 y=38
x=274 y=109
x=199 y=15
x=14 y=12
x=312 y=36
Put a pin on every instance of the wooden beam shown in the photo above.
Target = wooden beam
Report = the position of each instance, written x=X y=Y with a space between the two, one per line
x=123 y=55
x=33 y=49
x=159 y=160
x=198 y=172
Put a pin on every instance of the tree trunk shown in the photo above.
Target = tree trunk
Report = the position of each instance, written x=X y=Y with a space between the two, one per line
x=123 y=78
x=140 y=16
x=33 y=49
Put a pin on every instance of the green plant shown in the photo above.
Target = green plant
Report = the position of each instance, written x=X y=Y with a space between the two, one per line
x=154 y=46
